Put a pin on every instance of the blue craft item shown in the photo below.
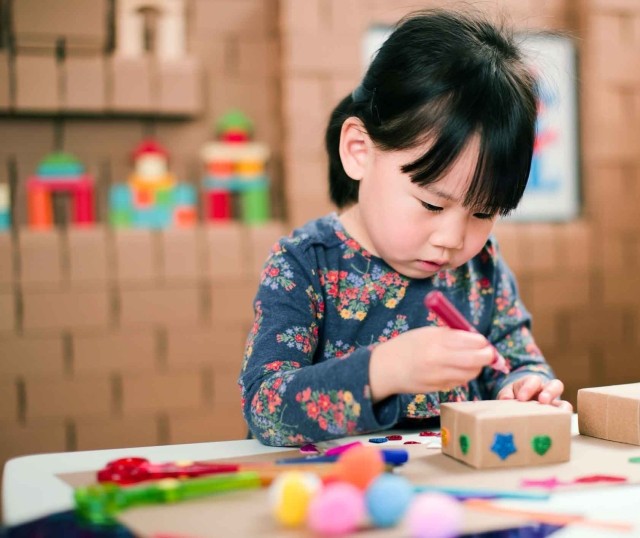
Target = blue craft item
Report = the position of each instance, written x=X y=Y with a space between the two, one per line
x=387 y=499
x=503 y=445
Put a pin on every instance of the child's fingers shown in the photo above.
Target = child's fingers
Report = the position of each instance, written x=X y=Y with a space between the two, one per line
x=562 y=404
x=527 y=388
x=552 y=390
x=507 y=393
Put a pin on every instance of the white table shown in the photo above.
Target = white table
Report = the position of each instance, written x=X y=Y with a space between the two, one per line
x=31 y=488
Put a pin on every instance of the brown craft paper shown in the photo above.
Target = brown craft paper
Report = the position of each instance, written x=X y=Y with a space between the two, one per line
x=246 y=513
x=611 y=413
x=481 y=422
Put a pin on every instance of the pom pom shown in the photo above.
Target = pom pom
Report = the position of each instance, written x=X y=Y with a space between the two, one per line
x=360 y=465
x=387 y=499
x=336 y=510
x=290 y=495
x=434 y=515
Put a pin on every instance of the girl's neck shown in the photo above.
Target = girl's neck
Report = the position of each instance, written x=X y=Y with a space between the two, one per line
x=351 y=221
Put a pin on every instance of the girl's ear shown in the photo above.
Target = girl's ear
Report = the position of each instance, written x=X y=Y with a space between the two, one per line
x=355 y=146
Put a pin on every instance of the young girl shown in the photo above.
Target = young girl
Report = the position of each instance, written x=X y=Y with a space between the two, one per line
x=424 y=155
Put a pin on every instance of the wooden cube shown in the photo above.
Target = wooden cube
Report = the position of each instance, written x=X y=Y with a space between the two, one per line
x=610 y=413
x=505 y=433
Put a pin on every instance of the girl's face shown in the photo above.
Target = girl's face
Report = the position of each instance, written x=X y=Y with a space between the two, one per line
x=417 y=230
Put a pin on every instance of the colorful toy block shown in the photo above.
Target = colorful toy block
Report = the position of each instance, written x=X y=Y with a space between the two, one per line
x=505 y=433
x=610 y=413
x=235 y=168
x=152 y=198
x=60 y=172
x=5 y=207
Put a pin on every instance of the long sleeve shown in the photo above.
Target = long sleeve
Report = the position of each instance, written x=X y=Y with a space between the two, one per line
x=290 y=396
x=510 y=333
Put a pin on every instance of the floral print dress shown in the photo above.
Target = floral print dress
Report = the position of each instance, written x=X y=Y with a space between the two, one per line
x=322 y=305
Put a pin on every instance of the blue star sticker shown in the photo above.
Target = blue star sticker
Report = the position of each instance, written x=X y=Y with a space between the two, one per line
x=503 y=445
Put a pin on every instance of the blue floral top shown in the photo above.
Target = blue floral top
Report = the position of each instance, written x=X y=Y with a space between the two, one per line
x=324 y=302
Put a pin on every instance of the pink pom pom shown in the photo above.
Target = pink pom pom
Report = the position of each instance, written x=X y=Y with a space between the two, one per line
x=434 y=515
x=338 y=509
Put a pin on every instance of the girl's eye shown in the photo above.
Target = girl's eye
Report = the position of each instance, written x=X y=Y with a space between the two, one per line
x=483 y=216
x=430 y=207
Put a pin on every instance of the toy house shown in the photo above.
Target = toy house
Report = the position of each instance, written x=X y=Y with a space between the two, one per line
x=60 y=175
x=236 y=183
x=505 y=433
x=152 y=198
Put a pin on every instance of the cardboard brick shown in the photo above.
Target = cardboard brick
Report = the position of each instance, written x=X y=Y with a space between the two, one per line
x=40 y=259
x=5 y=82
x=161 y=392
x=225 y=244
x=31 y=356
x=7 y=268
x=586 y=328
x=135 y=431
x=232 y=302
x=66 y=310
x=619 y=290
x=85 y=84
x=179 y=86
x=616 y=368
x=505 y=433
x=84 y=395
x=221 y=346
x=248 y=16
x=539 y=242
x=37 y=83
x=305 y=208
x=38 y=436
x=261 y=240
x=136 y=256
x=226 y=391
x=131 y=85
x=222 y=423
x=122 y=351
x=325 y=52
x=182 y=255
x=257 y=57
x=88 y=257
x=166 y=306
x=8 y=319
x=610 y=413
x=8 y=399
x=563 y=290
x=509 y=241
x=303 y=96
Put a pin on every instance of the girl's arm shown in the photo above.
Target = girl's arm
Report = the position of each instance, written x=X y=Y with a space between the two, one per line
x=288 y=397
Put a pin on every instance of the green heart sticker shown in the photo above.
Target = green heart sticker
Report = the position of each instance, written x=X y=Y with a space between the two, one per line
x=541 y=444
x=464 y=444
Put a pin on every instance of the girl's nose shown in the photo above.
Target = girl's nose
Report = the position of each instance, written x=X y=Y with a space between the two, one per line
x=450 y=234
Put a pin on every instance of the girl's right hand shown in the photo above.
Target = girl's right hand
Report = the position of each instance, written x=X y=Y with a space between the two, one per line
x=427 y=359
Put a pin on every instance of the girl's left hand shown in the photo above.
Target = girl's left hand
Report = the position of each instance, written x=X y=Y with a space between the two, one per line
x=533 y=387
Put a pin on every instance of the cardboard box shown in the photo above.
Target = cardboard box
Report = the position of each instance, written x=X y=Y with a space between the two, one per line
x=610 y=413
x=505 y=433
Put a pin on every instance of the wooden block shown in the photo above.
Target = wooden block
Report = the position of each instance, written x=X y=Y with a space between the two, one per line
x=261 y=240
x=85 y=84
x=257 y=57
x=232 y=302
x=505 y=433
x=610 y=413
x=95 y=434
x=135 y=256
x=166 y=306
x=48 y=397
x=162 y=392
x=88 y=259
x=40 y=259
x=222 y=423
x=123 y=351
x=31 y=356
x=66 y=310
x=131 y=86
x=8 y=400
x=250 y=17
x=37 y=83
x=225 y=386
x=179 y=85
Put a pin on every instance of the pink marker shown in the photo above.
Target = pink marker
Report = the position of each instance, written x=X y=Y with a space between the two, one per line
x=440 y=305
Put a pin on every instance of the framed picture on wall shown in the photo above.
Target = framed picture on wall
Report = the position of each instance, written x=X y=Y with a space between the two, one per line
x=552 y=192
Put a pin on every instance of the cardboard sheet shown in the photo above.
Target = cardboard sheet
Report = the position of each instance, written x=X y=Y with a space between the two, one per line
x=246 y=513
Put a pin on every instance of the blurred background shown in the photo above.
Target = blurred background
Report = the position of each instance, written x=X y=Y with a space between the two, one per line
x=151 y=151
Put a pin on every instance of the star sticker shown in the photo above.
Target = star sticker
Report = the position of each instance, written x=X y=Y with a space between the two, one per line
x=503 y=445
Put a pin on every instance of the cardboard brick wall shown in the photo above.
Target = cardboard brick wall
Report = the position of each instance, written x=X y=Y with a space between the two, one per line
x=286 y=63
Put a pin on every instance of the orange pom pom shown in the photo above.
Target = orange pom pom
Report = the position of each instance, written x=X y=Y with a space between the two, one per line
x=360 y=465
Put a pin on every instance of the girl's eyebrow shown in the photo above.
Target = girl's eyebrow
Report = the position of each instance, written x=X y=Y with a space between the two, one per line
x=441 y=194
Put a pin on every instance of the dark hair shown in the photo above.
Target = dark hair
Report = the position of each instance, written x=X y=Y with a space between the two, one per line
x=442 y=77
